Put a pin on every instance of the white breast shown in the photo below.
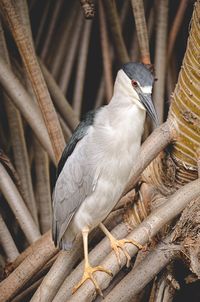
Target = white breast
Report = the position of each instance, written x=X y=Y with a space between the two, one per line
x=114 y=147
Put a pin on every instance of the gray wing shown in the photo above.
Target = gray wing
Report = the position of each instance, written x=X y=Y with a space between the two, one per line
x=75 y=182
x=78 y=134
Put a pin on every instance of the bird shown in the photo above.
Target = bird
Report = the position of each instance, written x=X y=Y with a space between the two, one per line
x=96 y=164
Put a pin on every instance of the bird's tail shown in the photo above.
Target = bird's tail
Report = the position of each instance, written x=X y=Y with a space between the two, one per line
x=67 y=241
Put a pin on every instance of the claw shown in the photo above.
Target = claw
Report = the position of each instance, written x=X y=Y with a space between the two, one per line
x=120 y=244
x=88 y=274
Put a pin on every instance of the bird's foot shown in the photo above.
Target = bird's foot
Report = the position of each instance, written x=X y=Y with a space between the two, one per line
x=88 y=274
x=120 y=244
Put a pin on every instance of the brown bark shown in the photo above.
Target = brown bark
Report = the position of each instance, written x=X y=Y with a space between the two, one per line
x=160 y=58
x=62 y=49
x=20 y=34
x=42 y=187
x=38 y=255
x=114 y=24
x=81 y=68
x=60 y=102
x=50 y=32
x=107 y=61
x=18 y=206
x=7 y=242
x=31 y=112
x=69 y=59
x=141 y=28
x=18 y=141
x=143 y=273
x=41 y=26
x=175 y=27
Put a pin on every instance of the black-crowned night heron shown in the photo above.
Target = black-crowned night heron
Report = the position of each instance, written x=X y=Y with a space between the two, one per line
x=97 y=162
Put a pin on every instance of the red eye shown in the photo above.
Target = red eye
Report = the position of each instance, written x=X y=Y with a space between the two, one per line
x=134 y=83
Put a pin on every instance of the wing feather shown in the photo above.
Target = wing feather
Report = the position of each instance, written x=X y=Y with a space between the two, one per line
x=78 y=134
x=75 y=180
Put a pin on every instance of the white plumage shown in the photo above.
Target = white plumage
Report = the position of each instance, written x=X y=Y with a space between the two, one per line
x=109 y=153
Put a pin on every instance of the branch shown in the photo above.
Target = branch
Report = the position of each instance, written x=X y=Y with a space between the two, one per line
x=176 y=27
x=27 y=252
x=50 y=33
x=20 y=34
x=165 y=286
x=32 y=285
x=41 y=25
x=142 y=234
x=38 y=254
x=100 y=96
x=59 y=99
x=28 y=291
x=23 y=10
x=160 y=58
x=141 y=28
x=114 y=22
x=26 y=106
x=134 y=282
x=69 y=58
x=57 y=274
x=124 y=12
x=4 y=159
x=81 y=67
x=18 y=141
x=66 y=131
x=62 y=48
x=18 y=207
x=101 y=89
x=107 y=60
x=42 y=186
x=7 y=242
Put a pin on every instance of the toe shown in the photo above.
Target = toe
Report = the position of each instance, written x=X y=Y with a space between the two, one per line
x=116 y=250
x=98 y=290
x=104 y=270
x=138 y=245
x=88 y=275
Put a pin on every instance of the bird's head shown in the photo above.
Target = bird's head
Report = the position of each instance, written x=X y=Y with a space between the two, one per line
x=136 y=81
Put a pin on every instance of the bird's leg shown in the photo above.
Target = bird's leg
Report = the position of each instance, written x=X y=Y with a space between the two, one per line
x=119 y=244
x=88 y=270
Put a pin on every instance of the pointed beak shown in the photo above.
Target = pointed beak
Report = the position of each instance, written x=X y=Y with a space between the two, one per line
x=146 y=100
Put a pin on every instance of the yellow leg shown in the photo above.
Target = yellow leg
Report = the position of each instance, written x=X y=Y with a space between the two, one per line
x=88 y=270
x=119 y=244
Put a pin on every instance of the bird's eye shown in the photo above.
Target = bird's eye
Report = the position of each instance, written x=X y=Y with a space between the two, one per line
x=134 y=83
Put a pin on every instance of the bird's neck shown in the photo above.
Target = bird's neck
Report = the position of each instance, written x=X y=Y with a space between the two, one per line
x=125 y=116
x=120 y=128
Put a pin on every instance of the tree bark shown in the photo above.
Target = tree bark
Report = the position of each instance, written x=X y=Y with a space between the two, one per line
x=20 y=34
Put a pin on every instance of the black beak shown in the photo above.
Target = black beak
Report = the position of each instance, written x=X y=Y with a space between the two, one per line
x=146 y=100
